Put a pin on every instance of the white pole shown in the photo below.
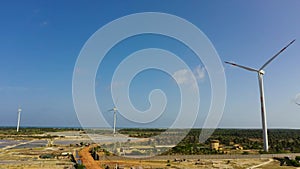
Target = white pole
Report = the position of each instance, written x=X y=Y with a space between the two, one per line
x=263 y=111
x=115 y=119
x=19 y=117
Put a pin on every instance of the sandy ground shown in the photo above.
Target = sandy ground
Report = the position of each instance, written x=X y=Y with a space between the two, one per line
x=28 y=158
x=12 y=157
x=179 y=163
x=24 y=154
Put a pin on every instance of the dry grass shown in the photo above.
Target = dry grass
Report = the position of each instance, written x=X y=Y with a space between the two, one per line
x=26 y=158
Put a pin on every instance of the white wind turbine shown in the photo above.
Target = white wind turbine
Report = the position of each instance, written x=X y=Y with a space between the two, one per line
x=19 y=118
x=115 y=118
x=260 y=72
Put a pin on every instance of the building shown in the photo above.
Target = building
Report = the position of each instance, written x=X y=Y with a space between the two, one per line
x=214 y=144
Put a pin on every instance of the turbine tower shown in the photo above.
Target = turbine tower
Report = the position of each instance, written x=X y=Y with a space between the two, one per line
x=19 y=118
x=115 y=118
x=260 y=72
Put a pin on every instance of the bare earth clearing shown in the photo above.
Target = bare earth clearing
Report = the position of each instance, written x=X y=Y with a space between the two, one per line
x=168 y=162
x=25 y=154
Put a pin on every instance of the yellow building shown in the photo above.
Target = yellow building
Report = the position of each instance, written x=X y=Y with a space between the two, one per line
x=214 y=144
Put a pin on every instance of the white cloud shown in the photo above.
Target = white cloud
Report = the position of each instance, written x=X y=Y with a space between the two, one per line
x=185 y=77
x=200 y=72
x=182 y=76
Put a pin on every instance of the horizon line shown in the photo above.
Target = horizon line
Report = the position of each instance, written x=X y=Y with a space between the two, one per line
x=135 y=127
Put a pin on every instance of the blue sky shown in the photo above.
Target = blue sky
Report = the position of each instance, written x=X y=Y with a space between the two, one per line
x=41 y=40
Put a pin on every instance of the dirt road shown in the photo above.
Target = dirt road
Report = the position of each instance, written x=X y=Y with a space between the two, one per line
x=87 y=159
x=264 y=163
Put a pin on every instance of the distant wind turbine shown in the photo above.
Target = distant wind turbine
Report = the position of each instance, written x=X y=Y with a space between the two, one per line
x=19 y=118
x=115 y=118
x=260 y=72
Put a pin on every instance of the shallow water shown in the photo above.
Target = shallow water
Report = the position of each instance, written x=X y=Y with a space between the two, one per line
x=68 y=142
x=4 y=143
x=34 y=144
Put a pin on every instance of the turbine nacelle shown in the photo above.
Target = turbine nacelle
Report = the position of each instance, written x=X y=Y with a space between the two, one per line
x=262 y=72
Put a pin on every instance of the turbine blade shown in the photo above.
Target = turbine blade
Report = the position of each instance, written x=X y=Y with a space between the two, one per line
x=113 y=109
x=272 y=58
x=243 y=67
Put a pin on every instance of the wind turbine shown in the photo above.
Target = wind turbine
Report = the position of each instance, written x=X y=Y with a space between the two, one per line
x=115 y=118
x=260 y=72
x=19 y=118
